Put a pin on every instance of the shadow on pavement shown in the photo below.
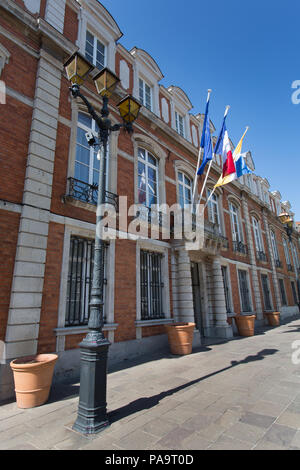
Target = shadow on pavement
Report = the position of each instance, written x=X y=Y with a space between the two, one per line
x=146 y=403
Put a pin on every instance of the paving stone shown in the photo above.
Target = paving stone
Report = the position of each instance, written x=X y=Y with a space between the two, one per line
x=174 y=439
x=281 y=435
x=246 y=432
x=268 y=408
x=228 y=443
x=256 y=419
x=137 y=440
x=288 y=418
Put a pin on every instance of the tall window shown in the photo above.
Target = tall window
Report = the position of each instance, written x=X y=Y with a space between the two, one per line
x=257 y=235
x=81 y=261
x=282 y=292
x=147 y=178
x=294 y=292
x=145 y=94
x=286 y=253
x=266 y=291
x=94 y=51
x=274 y=246
x=86 y=163
x=185 y=189
x=244 y=291
x=213 y=208
x=226 y=288
x=151 y=285
x=179 y=122
x=235 y=225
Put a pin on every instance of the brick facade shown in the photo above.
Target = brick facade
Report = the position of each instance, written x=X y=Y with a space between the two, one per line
x=40 y=216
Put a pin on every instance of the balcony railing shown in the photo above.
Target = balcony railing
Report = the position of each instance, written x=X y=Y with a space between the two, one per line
x=86 y=192
x=240 y=247
x=261 y=256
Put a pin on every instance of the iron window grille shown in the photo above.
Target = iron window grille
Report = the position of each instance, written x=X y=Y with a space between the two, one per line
x=239 y=247
x=294 y=292
x=151 y=285
x=261 y=256
x=266 y=291
x=226 y=288
x=282 y=292
x=81 y=261
x=244 y=291
x=86 y=192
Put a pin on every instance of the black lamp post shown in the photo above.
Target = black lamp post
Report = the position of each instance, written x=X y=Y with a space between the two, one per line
x=92 y=416
x=288 y=223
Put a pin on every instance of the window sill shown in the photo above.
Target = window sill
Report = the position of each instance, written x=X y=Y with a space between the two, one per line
x=77 y=330
x=156 y=322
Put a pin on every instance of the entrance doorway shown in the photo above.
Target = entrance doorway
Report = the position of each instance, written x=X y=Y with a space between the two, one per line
x=197 y=297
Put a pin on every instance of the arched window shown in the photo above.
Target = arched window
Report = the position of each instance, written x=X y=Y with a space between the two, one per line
x=257 y=235
x=147 y=178
x=185 y=187
x=213 y=208
x=286 y=253
x=86 y=163
x=235 y=224
x=274 y=246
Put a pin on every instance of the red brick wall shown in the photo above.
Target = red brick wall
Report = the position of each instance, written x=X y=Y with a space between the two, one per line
x=125 y=290
x=50 y=302
x=71 y=24
x=9 y=227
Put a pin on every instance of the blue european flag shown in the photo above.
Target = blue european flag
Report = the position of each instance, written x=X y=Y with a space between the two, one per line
x=205 y=142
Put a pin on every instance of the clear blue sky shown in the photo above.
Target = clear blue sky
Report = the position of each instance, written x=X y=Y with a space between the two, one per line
x=247 y=52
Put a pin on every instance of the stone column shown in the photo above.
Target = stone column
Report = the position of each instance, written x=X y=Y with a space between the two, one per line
x=185 y=304
x=28 y=280
x=221 y=328
x=273 y=267
x=252 y=253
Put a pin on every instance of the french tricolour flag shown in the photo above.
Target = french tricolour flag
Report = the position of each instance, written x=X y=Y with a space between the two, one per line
x=228 y=163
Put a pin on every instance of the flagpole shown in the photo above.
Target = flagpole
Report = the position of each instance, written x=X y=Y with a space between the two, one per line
x=200 y=151
x=210 y=164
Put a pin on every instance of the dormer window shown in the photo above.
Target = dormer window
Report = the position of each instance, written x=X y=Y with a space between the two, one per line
x=94 y=51
x=145 y=94
x=179 y=122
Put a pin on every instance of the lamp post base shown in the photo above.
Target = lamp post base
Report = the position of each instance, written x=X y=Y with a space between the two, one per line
x=92 y=416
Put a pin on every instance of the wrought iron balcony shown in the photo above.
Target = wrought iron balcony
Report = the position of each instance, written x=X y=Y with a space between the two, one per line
x=239 y=247
x=278 y=263
x=261 y=256
x=86 y=192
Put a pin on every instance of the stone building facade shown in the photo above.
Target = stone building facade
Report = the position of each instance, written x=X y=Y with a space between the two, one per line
x=47 y=202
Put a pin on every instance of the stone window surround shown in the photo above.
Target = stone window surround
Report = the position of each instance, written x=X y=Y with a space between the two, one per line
x=143 y=141
x=254 y=216
x=227 y=265
x=233 y=200
x=61 y=331
x=219 y=193
x=266 y=273
x=4 y=57
x=77 y=107
x=183 y=167
x=242 y=268
x=160 y=247
x=90 y=23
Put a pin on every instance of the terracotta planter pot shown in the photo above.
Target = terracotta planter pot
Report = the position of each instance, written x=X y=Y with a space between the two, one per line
x=273 y=318
x=33 y=378
x=180 y=336
x=245 y=324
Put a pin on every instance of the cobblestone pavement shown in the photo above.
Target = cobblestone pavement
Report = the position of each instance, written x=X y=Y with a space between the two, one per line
x=238 y=394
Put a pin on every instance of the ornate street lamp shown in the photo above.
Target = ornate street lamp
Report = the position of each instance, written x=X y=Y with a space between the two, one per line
x=92 y=415
x=288 y=223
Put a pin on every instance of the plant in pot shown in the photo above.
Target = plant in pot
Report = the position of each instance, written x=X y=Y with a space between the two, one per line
x=273 y=318
x=33 y=378
x=180 y=337
x=245 y=324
